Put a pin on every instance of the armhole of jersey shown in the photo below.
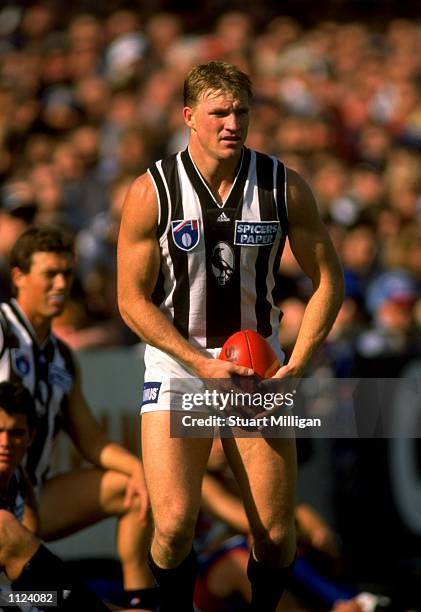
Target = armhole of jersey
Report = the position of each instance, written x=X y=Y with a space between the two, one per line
x=67 y=354
x=282 y=194
x=163 y=200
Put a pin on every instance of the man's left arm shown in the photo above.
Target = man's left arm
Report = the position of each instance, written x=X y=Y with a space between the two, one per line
x=95 y=446
x=314 y=251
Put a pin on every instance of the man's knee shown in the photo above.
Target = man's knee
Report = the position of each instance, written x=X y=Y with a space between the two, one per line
x=175 y=531
x=276 y=546
x=17 y=544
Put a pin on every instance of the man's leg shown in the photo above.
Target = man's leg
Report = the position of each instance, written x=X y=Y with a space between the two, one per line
x=266 y=473
x=30 y=566
x=17 y=545
x=70 y=502
x=174 y=469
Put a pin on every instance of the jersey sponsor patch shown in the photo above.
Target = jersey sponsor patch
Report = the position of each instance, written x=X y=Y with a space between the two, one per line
x=21 y=362
x=255 y=233
x=58 y=376
x=222 y=262
x=150 y=392
x=186 y=233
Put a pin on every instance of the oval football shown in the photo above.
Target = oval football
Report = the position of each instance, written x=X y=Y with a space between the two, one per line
x=250 y=349
x=237 y=349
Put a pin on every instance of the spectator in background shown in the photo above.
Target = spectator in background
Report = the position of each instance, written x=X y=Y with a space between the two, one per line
x=404 y=251
x=93 y=97
x=330 y=180
x=163 y=30
x=96 y=254
x=392 y=340
x=86 y=95
x=359 y=255
x=17 y=211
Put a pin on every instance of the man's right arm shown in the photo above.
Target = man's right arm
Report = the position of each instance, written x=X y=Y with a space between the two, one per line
x=138 y=267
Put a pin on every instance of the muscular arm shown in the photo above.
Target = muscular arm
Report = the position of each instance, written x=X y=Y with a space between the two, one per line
x=95 y=446
x=313 y=249
x=91 y=440
x=138 y=267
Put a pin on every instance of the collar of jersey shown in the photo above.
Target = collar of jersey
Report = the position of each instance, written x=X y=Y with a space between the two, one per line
x=190 y=167
x=28 y=325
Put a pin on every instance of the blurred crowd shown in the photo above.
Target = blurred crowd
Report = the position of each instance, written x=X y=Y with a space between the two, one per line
x=90 y=96
x=88 y=101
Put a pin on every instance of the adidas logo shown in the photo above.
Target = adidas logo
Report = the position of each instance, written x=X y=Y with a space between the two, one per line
x=223 y=218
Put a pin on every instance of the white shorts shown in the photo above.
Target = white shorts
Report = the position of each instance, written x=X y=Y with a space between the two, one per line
x=160 y=388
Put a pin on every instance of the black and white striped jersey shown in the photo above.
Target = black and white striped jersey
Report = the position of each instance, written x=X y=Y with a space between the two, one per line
x=219 y=262
x=47 y=371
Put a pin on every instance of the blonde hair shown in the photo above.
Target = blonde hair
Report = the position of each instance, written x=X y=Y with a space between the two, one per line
x=215 y=76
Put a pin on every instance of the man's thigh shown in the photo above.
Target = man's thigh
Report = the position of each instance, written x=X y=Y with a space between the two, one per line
x=174 y=468
x=72 y=501
x=266 y=472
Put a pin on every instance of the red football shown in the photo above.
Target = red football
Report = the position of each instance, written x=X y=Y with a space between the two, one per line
x=248 y=348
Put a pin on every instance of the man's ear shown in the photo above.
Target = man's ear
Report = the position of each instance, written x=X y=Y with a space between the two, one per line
x=189 y=117
x=17 y=275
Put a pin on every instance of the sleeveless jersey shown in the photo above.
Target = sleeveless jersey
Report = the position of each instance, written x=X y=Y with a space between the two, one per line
x=47 y=371
x=219 y=262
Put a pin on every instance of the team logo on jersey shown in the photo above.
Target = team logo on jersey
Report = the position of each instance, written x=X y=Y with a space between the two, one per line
x=223 y=262
x=21 y=362
x=60 y=377
x=150 y=392
x=186 y=233
x=255 y=233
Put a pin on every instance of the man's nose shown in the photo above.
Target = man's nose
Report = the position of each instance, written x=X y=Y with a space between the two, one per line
x=4 y=438
x=60 y=281
x=232 y=122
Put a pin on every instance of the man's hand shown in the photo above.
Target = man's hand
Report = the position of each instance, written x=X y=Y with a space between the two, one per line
x=136 y=493
x=288 y=371
x=281 y=384
x=315 y=532
x=218 y=368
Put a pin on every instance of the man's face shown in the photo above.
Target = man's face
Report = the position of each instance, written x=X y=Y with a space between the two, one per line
x=219 y=123
x=44 y=290
x=14 y=440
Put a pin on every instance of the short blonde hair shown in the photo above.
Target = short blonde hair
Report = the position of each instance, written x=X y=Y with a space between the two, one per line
x=215 y=76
